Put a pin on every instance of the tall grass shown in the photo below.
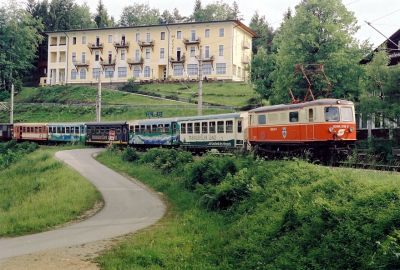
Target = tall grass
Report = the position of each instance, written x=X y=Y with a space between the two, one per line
x=264 y=215
x=37 y=193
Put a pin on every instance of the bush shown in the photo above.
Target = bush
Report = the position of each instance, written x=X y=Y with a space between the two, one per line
x=12 y=151
x=210 y=170
x=167 y=160
x=130 y=154
x=131 y=86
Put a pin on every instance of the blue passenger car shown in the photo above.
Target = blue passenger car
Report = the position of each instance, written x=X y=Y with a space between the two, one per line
x=67 y=132
x=154 y=132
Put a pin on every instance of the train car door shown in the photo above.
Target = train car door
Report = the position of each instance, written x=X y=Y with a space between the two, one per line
x=310 y=124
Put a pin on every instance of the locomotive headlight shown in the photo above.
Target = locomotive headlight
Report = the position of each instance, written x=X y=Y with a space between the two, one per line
x=338 y=102
x=330 y=129
x=351 y=130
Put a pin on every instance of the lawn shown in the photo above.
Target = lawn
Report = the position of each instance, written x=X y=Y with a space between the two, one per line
x=261 y=215
x=38 y=193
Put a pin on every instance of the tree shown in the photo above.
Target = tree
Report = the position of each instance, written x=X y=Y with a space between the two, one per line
x=197 y=15
x=19 y=39
x=81 y=17
x=101 y=16
x=262 y=66
x=321 y=31
x=60 y=15
x=139 y=14
x=215 y=11
x=265 y=33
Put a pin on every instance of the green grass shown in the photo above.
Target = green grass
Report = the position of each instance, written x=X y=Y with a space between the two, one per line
x=294 y=216
x=228 y=93
x=37 y=193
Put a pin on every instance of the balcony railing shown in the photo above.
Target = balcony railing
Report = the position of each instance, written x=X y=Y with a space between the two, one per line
x=143 y=44
x=135 y=61
x=79 y=64
x=121 y=45
x=191 y=42
x=177 y=60
x=107 y=63
x=95 y=46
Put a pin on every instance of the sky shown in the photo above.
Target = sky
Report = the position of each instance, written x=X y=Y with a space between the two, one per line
x=383 y=14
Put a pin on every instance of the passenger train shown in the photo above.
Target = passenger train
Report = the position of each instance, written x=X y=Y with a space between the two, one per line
x=319 y=125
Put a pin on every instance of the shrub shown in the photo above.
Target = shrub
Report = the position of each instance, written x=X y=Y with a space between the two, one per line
x=167 y=160
x=129 y=154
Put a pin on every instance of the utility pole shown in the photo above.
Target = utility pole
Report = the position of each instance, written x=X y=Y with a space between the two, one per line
x=200 y=97
x=98 y=100
x=12 y=105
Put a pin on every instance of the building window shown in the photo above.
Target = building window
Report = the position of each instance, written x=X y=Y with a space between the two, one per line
x=162 y=53
x=162 y=35
x=207 y=69
x=221 y=50
x=207 y=52
x=74 y=57
x=109 y=72
x=147 y=53
x=83 y=39
x=96 y=73
x=73 y=74
x=136 y=71
x=207 y=33
x=178 y=34
x=192 y=51
x=109 y=38
x=221 y=32
x=74 y=41
x=192 y=69
x=96 y=56
x=137 y=55
x=122 y=72
x=178 y=69
x=82 y=74
x=148 y=37
x=193 y=35
x=83 y=59
x=147 y=72
x=137 y=36
x=221 y=68
x=123 y=52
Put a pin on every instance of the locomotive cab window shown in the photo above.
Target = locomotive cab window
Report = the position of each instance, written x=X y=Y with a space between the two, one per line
x=239 y=126
x=310 y=115
x=346 y=114
x=262 y=119
x=294 y=117
x=331 y=114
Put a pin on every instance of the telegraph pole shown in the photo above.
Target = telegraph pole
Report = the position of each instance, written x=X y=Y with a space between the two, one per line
x=200 y=98
x=98 y=100
x=12 y=105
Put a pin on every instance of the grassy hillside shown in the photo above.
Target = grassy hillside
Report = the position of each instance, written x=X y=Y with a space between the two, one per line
x=238 y=213
x=37 y=193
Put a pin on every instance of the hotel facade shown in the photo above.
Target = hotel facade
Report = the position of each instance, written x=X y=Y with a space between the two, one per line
x=167 y=52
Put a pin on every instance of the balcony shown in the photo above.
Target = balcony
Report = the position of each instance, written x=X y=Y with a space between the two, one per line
x=143 y=44
x=108 y=63
x=95 y=46
x=135 y=62
x=121 y=45
x=245 y=60
x=177 y=60
x=209 y=59
x=188 y=42
x=80 y=64
x=246 y=45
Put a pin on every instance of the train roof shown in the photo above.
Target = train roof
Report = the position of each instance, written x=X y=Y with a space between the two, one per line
x=66 y=124
x=30 y=124
x=318 y=102
x=211 y=116
x=152 y=121
x=106 y=123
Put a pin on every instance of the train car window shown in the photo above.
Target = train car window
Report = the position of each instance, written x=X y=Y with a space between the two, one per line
x=148 y=128
x=63 y=129
x=310 y=115
x=220 y=127
x=204 y=127
x=166 y=128
x=36 y=129
x=294 y=117
x=347 y=114
x=58 y=129
x=154 y=128
x=160 y=128
x=76 y=130
x=331 y=114
x=67 y=130
x=239 y=126
x=118 y=130
x=190 y=128
x=137 y=128
x=197 y=128
x=183 y=128
x=262 y=119
x=142 y=128
x=229 y=126
x=211 y=127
